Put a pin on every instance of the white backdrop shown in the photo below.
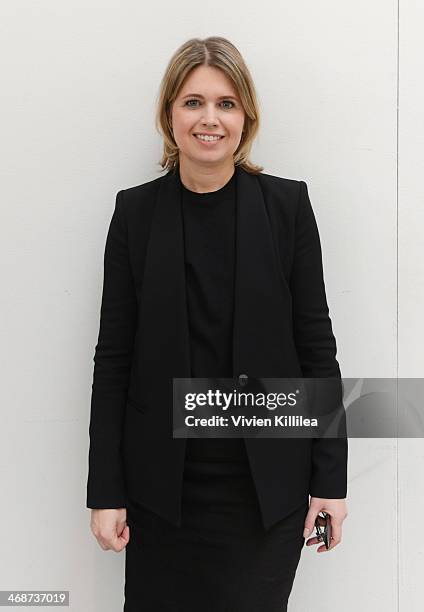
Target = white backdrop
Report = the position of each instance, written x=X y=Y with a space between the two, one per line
x=340 y=92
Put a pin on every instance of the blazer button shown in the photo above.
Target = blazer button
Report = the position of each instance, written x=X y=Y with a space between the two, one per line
x=243 y=379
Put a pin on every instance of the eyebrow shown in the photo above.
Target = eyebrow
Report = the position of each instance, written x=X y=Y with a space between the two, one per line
x=200 y=96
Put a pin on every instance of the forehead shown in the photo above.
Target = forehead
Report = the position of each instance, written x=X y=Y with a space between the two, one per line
x=208 y=81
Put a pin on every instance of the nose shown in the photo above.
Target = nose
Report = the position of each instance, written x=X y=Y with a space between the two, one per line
x=209 y=116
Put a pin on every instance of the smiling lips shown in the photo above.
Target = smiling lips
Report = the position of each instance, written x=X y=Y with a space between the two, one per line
x=208 y=138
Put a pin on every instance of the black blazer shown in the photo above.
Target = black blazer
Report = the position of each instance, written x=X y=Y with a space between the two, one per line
x=282 y=328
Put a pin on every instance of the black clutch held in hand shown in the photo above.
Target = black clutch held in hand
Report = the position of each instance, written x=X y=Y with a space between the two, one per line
x=323 y=532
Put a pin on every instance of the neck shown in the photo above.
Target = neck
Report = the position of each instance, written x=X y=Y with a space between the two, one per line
x=202 y=179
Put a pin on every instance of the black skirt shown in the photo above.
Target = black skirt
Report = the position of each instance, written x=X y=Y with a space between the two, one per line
x=221 y=559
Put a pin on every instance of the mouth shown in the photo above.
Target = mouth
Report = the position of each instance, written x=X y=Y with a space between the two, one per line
x=209 y=141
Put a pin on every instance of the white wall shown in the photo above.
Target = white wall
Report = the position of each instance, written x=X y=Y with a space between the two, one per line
x=79 y=84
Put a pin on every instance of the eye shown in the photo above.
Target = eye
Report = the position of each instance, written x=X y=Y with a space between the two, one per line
x=196 y=100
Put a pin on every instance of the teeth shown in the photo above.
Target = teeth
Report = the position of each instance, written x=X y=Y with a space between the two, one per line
x=202 y=137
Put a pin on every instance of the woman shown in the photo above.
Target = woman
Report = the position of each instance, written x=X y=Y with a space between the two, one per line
x=211 y=270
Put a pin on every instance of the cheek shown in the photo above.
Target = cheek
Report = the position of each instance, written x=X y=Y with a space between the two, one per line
x=182 y=123
x=182 y=132
x=236 y=133
x=235 y=126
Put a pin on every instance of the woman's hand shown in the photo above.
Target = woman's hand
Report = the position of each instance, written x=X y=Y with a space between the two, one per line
x=110 y=528
x=337 y=510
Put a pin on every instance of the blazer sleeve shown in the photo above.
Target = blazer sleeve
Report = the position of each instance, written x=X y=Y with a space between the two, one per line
x=112 y=365
x=316 y=345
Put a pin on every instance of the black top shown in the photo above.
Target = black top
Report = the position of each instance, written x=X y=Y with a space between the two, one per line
x=209 y=221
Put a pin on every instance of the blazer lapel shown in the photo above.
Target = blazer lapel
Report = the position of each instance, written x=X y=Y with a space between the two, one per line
x=261 y=298
x=164 y=343
x=262 y=316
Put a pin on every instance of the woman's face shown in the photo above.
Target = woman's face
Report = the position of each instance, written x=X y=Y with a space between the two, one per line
x=207 y=103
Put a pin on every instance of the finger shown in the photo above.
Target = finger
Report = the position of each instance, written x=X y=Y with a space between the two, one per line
x=310 y=521
x=113 y=544
x=123 y=539
x=312 y=541
x=118 y=543
x=323 y=548
x=110 y=542
x=103 y=543
x=125 y=535
x=319 y=519
x=336 y=533
x=109 y=539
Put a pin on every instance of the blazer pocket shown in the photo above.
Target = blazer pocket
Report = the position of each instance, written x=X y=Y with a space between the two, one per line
x=140 y=407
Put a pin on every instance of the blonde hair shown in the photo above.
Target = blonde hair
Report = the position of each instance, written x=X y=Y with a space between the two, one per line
x=220 y=53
